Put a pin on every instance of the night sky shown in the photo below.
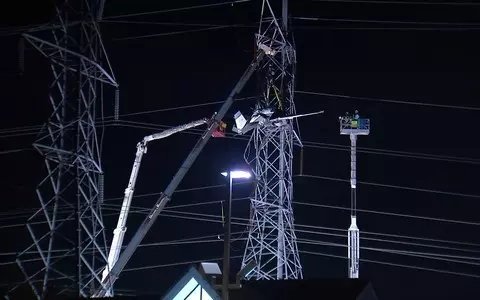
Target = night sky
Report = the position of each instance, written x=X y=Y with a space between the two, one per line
x=420 y=158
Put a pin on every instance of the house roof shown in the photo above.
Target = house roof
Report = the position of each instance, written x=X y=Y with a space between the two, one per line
x=192 y=282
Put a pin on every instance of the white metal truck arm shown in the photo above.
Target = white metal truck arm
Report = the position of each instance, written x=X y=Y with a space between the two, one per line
x=119 y=232
x=169 y=132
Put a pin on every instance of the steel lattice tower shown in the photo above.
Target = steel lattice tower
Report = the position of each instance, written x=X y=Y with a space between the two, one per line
x=69 y=249
x=272 y=242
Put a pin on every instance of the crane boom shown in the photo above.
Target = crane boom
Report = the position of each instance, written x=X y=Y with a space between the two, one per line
x=109 y=280
x=119 y=232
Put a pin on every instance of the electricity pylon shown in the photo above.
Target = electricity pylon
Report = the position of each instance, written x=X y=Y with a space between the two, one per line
x=68 y=249
x=272 y=242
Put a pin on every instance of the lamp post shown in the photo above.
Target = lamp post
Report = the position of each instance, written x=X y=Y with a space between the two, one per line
x=226 y=237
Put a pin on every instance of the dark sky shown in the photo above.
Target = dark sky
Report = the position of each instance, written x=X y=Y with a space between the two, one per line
x=412 y=62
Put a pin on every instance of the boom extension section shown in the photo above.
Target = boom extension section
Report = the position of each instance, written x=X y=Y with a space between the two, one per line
x=122 y=261
x=119 y=232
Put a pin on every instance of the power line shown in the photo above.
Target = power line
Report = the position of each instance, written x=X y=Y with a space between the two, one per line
x=435 y=256
x=218 y=27
x=389 y=101
x=320 y=205
x=406 y=154
x=386 y=21
x=170 y=212
x=180 y=107
x=33 y=129
x=15 y=150
x=318 y=145
x=297 y=27
x=427 y=255
x=202 y=217
x=310 y=144
x=394 y=236
x=394 y=264
x=456 y=29
x=443 y=220
x=177 y=264
x=404 y=2
x=136 y=37
x=169 y=23
x=107 y=19
x=344 y=230
x=156 y=12
x=243 y=222
x=395 y=186
x=391 y=214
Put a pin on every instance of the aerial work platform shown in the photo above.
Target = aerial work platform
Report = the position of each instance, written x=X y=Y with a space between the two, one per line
x=357 y=126
x=353 y=126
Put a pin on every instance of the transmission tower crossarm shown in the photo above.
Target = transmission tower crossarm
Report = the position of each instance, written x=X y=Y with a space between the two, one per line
x=119 y=232
x=166 y=195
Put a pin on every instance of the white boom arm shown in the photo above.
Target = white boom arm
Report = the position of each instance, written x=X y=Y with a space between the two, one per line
x=119 y=232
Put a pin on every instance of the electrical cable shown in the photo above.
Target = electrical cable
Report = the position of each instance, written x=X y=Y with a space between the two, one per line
x=20 y=29
x=399 y=252
x=406 y=154
x=33 y=129
x=193 y=240
x=344 y=230
x=306 y=143
x=393 y=264
x=217 y=219
x=444 y=220
x=170 y=23
x=176 y=9
x=310 y=144
x=433 y=191
x=178 y=264
x=136 y=37
x=171 y=33
x=317 y=145
x=436 y=256
x=386 y=21
x=403 y=2
x=456 y=29
x=244 y=222
x=390 y=214
x=11 y=214
x=472 y=108
x=182 y=107
x=15 y=150
x=392 y=251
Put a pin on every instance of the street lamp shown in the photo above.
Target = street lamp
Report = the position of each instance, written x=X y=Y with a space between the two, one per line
x=238 y=174
x=226 y=237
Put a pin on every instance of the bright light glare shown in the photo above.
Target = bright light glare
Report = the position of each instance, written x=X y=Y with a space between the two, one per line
x=238 y=174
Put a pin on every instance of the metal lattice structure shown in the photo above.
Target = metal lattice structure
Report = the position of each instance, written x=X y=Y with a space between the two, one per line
x=272 y=242
x=69 y=251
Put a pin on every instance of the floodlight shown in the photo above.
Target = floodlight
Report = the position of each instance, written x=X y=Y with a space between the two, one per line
x=246 y=270
x=210 y=268
x=238 y=174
